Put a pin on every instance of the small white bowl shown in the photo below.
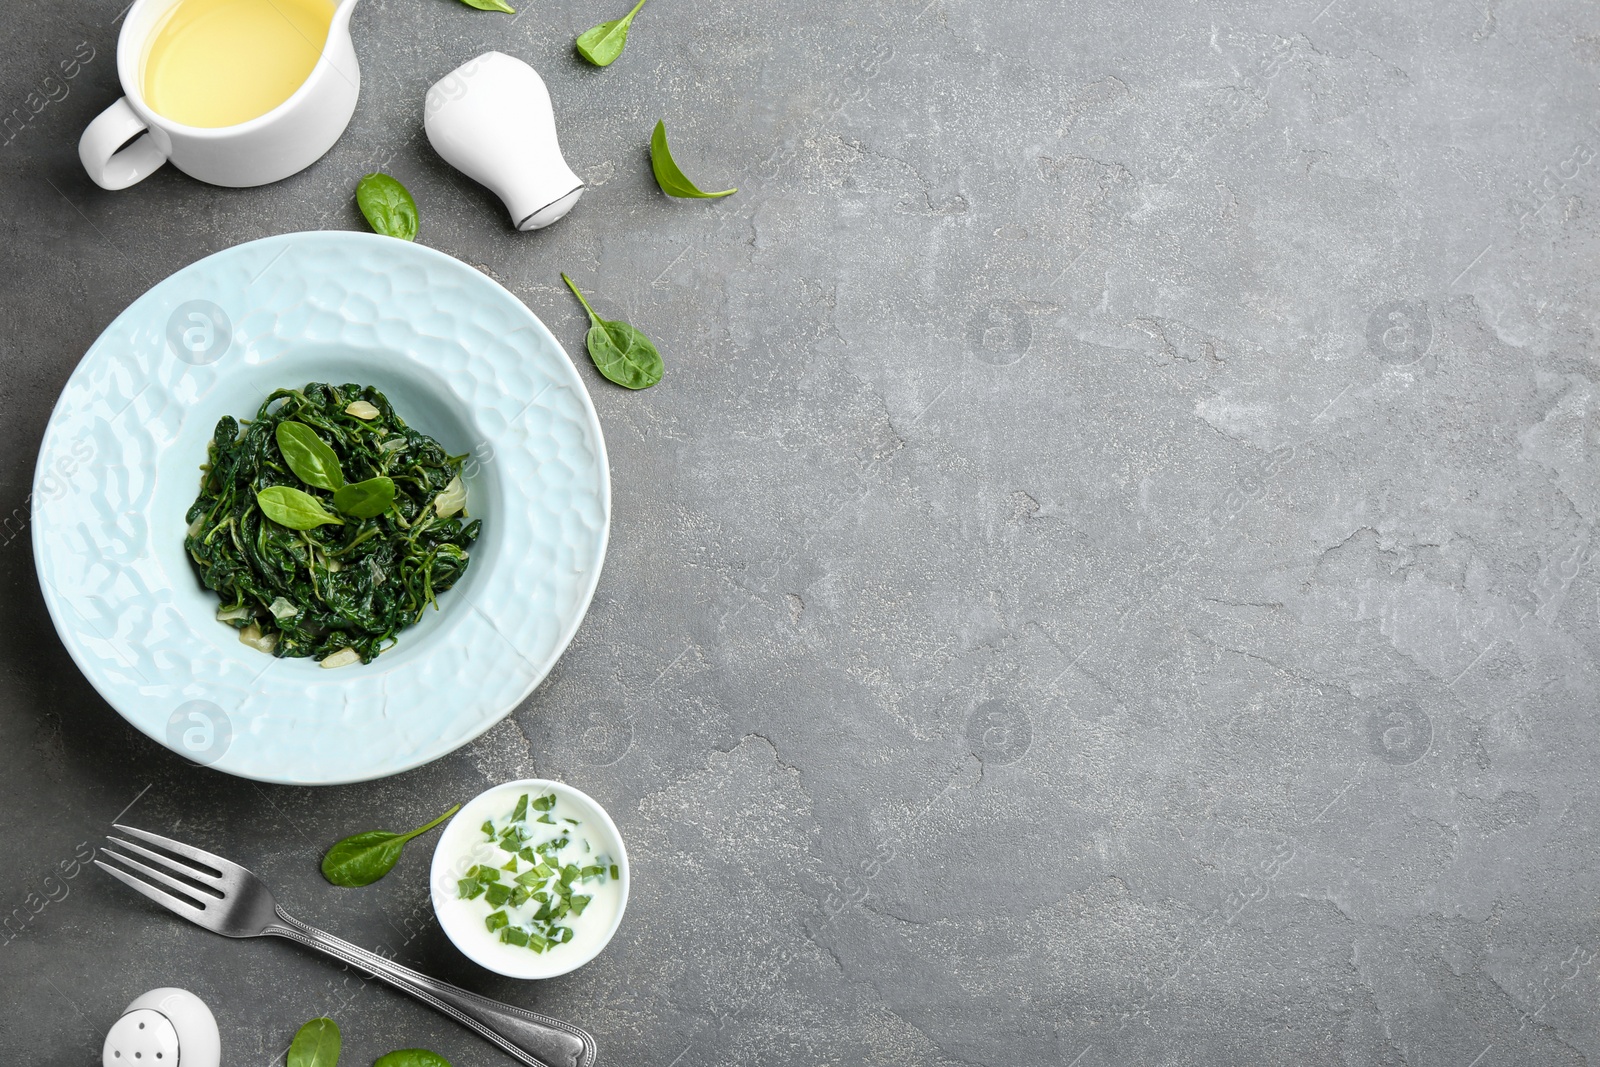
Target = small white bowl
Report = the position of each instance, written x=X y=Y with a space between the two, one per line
x=451 y=860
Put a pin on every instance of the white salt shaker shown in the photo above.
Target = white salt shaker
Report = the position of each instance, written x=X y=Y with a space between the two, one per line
x=167 y=1027
x=491 y=119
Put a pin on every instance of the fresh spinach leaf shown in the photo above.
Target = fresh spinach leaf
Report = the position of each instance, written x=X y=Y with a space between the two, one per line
x=412 y=1057
x=315 y=1045
x=365 y=500
x=309 y=456
x=491 y=5
x=362 y=859
x=291 y=507
x=388 y=205
x=619 y=351
x=602 y=44
x=668 y=176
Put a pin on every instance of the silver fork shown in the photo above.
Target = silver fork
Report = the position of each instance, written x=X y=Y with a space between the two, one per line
x=227 y=899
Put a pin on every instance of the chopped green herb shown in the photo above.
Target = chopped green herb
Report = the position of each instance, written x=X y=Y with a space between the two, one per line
x=541 y=884
x=614 y=874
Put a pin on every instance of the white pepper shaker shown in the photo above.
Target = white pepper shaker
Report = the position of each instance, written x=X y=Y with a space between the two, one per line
x=491 y=119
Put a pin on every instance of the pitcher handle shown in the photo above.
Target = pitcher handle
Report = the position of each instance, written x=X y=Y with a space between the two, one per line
x=99 y=147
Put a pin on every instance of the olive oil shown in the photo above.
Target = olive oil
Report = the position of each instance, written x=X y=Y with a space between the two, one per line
x=217 y=63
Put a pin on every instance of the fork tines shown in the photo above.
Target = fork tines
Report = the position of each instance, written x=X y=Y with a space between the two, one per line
x=184 y=882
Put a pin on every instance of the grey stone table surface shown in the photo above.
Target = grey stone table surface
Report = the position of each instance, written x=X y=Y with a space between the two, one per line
x=1104 y=580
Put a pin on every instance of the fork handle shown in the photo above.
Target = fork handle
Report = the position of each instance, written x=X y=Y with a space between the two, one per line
x=530 y=1038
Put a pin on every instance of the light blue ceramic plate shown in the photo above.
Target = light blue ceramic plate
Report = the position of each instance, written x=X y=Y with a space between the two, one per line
x=462 y=359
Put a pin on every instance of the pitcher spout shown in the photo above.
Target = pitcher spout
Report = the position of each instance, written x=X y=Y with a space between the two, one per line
x=339 y=51
x=341 y=19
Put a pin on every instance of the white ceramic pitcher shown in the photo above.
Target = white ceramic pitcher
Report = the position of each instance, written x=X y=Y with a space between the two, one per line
x=289 y=138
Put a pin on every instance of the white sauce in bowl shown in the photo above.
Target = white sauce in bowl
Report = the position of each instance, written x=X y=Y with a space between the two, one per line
x=530 y=890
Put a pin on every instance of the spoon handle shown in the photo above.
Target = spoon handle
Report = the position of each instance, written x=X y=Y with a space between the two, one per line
x=530 y=1038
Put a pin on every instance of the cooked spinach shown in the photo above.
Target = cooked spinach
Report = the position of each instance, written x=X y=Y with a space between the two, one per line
x=303 y=571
